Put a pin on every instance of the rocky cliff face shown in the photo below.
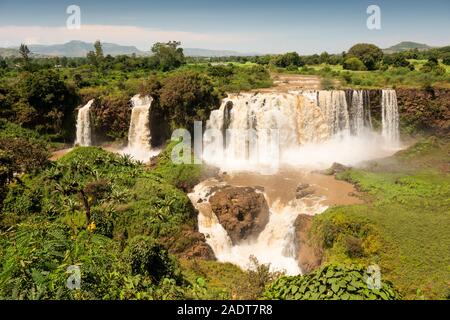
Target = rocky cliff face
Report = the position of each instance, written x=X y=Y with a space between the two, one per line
x=309 y=255
x=242 y=211
x=425 y=110
x=421 y=110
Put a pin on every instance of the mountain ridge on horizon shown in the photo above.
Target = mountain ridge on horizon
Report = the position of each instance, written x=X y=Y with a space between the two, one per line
x=78 y=48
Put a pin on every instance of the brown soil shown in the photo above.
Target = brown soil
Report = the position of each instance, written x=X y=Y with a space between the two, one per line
x=289 y=82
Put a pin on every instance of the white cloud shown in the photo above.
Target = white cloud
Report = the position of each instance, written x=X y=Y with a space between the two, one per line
x=126 y=35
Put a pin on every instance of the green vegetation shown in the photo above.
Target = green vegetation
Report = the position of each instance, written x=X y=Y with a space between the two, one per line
x=369 y=54
x=331 y=282
x=404 y=226
x=98 y=210
x=354 y=64
x=131 y=227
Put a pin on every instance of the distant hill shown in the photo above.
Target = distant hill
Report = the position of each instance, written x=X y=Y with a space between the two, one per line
x=12 y=52
x=196 y=52
x=77 y=48
x=80 y=49
x=407 y=45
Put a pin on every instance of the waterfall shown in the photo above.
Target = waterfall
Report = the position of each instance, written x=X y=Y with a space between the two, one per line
x=139 y=135
x=313 y=127
x=274 y=245
x=360 y=118
x=390 y=118
x=84 y=131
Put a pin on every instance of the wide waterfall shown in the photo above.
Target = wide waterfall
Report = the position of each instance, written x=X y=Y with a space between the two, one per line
x=389 y=113
x=84 y=131
x=313 y=128
x=139 y=135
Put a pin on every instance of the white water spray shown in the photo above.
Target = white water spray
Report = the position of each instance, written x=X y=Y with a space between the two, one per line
x=139 y=135
x=275 y=244
x=315 y=129
x=84 y=131
x=390 y=117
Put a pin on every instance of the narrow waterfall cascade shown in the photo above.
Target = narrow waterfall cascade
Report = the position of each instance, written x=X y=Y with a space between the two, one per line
x=312 y=128
x=360 y=118
x=84 y=131
x=275 y=244
x=390 y=118
x=139 y=135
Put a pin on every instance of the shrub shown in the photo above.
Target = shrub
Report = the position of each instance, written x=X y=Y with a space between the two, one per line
x=147 y=257
x=331 y=282
x=369 y=54
x=354 y=64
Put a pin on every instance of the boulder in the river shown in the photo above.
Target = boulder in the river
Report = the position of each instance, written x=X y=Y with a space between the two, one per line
x=303 y=190
x=335 y=168
x=242 y=211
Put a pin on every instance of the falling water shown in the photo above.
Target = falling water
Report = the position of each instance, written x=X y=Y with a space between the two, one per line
x=275 y=245
x=84 y=132
x=390 y=118
x=139 y=135
x=316 y=128
x=360 y=119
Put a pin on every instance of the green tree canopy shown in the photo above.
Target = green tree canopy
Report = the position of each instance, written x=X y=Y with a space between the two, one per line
x=168 y=55
x=187 y=97
x=355 y=64
x=369 y=54
x=288 y=59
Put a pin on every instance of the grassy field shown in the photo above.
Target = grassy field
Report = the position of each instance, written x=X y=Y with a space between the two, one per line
x=404 y=225
x=393 y=77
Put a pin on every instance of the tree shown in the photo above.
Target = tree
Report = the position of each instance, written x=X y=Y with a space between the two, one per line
x=3 y=64
x=98 y=50
x=354 y=64
x=288 y=59
x=399 y=61
x=187 y=97
x=446 y=59
x=168 y=56
x=48 y=98
x=324 y=57
x=24 y=52
x=369 y=54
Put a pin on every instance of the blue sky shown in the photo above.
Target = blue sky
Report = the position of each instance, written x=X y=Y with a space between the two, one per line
x=246 y=26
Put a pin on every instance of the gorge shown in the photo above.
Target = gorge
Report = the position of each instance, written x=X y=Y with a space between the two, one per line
x=314 y=130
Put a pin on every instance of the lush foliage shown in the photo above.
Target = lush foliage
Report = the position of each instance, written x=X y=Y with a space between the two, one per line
x=331 y=282
x=403 y=224
x=369 y=54
x=102 y=212
x=354 y=64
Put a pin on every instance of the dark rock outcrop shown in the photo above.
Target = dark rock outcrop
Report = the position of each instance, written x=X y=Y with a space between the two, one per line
x=242 y=211
x=303 y=190
x=309 y=255
x=335 y=168
x=188 y=244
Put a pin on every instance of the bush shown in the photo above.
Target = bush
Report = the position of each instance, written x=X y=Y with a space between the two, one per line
x=354 y=64
x=147 y=257
x=331 y=282
x=446 y=59
x=369 y=54
x=187 y=97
